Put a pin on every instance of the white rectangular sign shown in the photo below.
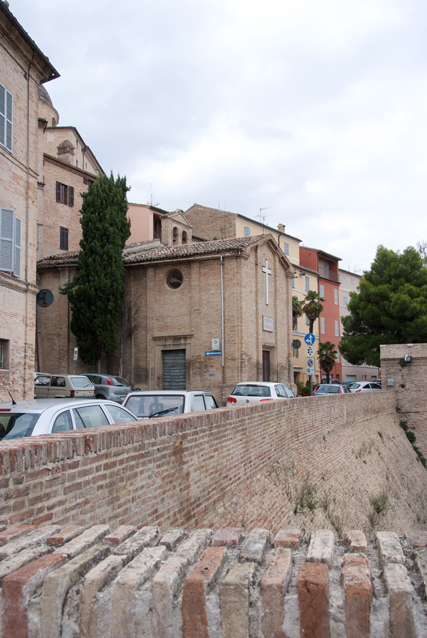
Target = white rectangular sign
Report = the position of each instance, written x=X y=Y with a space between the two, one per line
x=267 y=324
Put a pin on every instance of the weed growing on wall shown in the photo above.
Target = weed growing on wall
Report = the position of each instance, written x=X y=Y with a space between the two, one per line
x=410 y=435
x=306 y=498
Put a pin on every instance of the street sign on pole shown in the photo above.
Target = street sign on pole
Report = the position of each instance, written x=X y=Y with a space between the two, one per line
x=309 y=339
x=310 y=365
x=310 y=351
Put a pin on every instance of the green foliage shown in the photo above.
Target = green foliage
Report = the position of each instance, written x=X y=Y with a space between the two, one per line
x=304 y=389
x=327 y=356
x=390 y=307
x=96 y=292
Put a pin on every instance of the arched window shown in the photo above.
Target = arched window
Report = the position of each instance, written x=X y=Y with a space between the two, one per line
x=184 y=237
x=175 y=235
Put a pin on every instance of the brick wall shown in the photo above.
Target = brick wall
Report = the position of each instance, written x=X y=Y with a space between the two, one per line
x=409 y=383
x=175 y=471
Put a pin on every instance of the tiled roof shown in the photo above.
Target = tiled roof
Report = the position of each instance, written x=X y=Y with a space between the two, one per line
x=143 y=252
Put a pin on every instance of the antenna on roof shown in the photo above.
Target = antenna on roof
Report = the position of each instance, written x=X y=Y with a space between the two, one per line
x=262 y=217
x=151 y=196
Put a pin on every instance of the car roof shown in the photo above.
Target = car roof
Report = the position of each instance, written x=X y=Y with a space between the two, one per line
x=166 y=392
x=40 y=405
x=267 y=383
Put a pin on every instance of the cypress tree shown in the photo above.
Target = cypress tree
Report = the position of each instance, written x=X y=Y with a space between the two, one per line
x=96 y=293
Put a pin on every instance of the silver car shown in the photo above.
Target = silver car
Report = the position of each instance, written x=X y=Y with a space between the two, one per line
x=49 y=416
x=109 y=387
x=364 y=386
x=147 y=404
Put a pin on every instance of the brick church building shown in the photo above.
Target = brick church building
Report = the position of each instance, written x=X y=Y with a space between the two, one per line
x=183 y=298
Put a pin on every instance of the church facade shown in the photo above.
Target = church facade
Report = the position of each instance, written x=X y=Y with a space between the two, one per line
x=204 y=314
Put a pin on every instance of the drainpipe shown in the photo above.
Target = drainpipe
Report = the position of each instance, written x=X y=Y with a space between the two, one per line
x=27 y=212
x=222 y=320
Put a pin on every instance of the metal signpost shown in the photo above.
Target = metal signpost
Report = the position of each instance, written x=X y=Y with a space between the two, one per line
x=310 y=360
x=76 y=351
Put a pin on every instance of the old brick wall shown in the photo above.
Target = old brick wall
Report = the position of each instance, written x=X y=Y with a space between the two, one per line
x=409 y=383
x=209 y=223
x=176 y=471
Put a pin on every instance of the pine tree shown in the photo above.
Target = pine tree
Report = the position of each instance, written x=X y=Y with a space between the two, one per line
x=96 y=293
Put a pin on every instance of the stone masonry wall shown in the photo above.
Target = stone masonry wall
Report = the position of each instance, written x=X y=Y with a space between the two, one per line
x=409 y=383
x=176 y=471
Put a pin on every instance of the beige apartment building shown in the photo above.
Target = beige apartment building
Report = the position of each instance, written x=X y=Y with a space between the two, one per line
x=349 y=282
x=68 y=167
x=23 y=68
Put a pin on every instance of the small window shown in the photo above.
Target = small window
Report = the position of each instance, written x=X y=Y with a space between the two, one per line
x=344 y=277
x=211 y=404
x=345 y=301
x=352 y=280
x=91 y=416
x=247 y=231
x=198 y=403
x=4 y=354
x=184 y=237
x=87 y=180
x=307 y=283
x=307 y=320
x=175 y=235
x=175 y=279
x=322 y=325
x=6 y=118
x=63 y=422
x=119 y=415
x=337 y=356
x=286 y=249
x=336 y=329
x=64 y=194
x=63 y=238
x=10 y=242
x=335 y=296
x=322 y=291
x=293 y=282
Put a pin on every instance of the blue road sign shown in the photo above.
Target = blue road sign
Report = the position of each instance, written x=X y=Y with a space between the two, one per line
x=309 y=339
x=213 y=353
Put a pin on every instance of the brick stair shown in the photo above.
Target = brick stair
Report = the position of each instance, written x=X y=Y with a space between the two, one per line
x=63 y=583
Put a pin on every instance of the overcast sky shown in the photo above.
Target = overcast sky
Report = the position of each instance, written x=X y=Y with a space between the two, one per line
x=314 y=110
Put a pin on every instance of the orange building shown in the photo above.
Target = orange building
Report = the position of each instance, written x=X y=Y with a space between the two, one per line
x=329 y=321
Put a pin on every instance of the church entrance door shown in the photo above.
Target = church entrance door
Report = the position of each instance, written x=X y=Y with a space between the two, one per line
x=173 y=362
x=266 y=365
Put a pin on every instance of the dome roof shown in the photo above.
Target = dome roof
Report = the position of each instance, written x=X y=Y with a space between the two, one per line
x=44 y=95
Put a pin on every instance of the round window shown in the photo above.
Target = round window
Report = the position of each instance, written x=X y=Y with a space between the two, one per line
x=174 y=279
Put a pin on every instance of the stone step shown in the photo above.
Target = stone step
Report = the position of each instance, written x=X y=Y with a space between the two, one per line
x=231 y=584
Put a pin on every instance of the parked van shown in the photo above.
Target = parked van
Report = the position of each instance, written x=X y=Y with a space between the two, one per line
x=59 y=386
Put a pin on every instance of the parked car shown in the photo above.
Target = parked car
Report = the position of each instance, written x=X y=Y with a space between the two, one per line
x=49 y=416
x=147 y=404
x=60 y=386
x=364 y=386
x=257 y=391
x=330 y=388
x=110 y=387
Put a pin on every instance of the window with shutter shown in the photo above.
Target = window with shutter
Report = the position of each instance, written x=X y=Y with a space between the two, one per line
x=71 y=196
x=10 y=242
x=6 y=118
x=63 y=238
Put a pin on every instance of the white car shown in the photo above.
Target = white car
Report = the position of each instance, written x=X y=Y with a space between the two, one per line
x=257 y=391
x=364 y=386
x=60 y=386
x=49 y=416
x=156 y=403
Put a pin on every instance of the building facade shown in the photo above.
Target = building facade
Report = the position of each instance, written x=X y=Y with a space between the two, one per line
x=349 y=282
x=23 y=67
x=184 y=297
x=326 y=266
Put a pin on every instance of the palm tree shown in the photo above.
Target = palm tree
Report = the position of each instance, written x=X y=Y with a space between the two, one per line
x=297 y=310
x=327 y=356
x=312 y=307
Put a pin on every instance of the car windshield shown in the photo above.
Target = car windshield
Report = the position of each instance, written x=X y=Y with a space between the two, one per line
x=80 y=382
x=251 y=390
x=146 y=404
x=14 y=425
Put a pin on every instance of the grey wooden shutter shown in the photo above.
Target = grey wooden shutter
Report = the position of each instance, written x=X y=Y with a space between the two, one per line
x=17 y=261
x=6 y=239
x=173 y=369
